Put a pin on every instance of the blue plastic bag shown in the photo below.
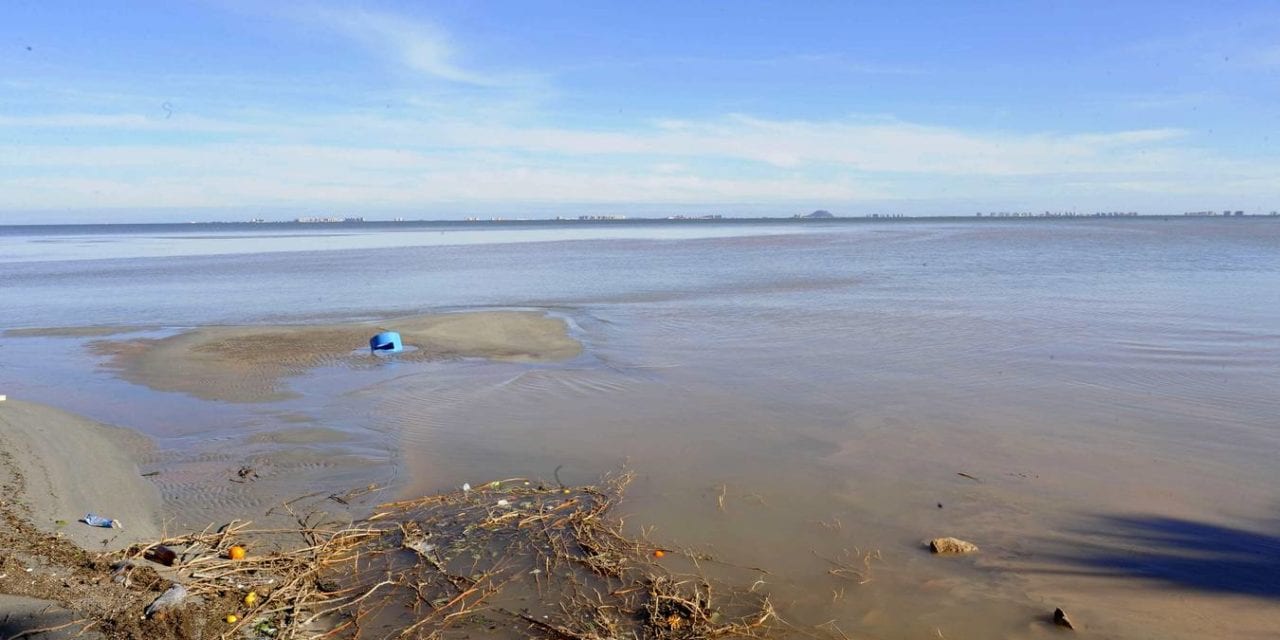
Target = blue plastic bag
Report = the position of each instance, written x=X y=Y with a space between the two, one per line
x=99 y=521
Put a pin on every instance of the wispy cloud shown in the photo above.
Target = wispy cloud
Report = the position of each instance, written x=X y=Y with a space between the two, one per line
x=160 y=122
x=829 y=62
x=405 y=163
x=370 y=178
x=465 y=132
x=416 y=44
x=892 y=146
x=872 y=146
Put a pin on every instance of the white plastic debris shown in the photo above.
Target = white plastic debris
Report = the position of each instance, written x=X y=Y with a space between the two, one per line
x=169 y=599
x=420 y=546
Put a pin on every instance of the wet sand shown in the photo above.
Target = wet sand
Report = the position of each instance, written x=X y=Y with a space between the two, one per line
x=74 y=332
x=55 y=467
x=828 y=496
x=70 y=466
x=24 y=615
x=251 y=364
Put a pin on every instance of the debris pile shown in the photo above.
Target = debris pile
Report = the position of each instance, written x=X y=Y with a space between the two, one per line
x=543 y=561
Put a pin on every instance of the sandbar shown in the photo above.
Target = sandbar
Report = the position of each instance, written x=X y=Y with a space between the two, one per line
x=251 y=363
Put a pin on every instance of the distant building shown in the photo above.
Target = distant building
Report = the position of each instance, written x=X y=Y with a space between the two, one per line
x=329 y=219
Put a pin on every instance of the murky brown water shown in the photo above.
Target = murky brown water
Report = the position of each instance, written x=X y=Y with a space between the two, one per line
x=1110 y=387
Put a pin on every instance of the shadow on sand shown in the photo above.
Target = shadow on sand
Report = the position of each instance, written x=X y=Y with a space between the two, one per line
x=1181 y=553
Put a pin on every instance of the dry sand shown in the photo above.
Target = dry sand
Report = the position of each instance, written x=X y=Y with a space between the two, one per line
x=250 y=363
x=70 y=466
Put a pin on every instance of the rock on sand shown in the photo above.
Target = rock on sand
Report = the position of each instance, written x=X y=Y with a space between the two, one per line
x=1060 y=618
x=951 y=546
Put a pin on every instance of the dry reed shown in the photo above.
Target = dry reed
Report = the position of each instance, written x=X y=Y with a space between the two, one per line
x=538 y=560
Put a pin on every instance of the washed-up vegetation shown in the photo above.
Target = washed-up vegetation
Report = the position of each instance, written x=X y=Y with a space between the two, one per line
x=512 y=557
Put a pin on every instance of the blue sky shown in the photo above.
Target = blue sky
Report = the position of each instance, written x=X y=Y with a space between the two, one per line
x=225 y=110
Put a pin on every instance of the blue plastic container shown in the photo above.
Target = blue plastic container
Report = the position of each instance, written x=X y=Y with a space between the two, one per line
x=387 y=341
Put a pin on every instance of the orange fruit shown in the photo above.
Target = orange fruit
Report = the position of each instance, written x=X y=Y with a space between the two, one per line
x=236 y=553
x=659 y=553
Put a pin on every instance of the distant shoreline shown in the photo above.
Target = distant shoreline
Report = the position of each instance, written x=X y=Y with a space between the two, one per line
x=598 y=221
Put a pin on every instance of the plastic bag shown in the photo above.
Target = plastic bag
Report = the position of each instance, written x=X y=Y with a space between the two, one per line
x=170 y=598
x=99 y=521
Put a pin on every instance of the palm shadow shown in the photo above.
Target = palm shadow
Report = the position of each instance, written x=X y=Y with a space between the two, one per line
x=1183 y=553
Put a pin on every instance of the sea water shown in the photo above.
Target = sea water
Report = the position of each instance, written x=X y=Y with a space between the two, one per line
x=787 y=393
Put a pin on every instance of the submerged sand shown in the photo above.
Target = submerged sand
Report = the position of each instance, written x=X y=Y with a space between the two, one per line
x=251 y=363
x=76 y=332
x=65 y=466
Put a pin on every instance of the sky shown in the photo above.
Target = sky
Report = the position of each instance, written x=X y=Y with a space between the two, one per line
x=228 y=110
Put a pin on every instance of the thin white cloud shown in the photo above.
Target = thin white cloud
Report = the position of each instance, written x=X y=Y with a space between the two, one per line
x=418 y=45
x=831 y=62
x=429 y=164
x=129 y=122
x=322 y=185
x=404 y=161
x=872 y=147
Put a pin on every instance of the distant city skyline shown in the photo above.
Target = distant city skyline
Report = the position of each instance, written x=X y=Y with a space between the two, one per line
x=224 y=110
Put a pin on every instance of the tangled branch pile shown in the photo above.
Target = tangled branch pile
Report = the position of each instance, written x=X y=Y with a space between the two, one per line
x=512 y=556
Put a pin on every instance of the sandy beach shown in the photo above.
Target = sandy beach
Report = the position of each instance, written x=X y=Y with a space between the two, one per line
x=68 y=467
x=56 y=467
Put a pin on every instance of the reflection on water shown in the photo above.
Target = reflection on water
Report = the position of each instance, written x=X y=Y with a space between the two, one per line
x=99 y=242
x=786 y=399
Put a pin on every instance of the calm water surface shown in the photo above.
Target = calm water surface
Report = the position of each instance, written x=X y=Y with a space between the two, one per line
x=1111 y=384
